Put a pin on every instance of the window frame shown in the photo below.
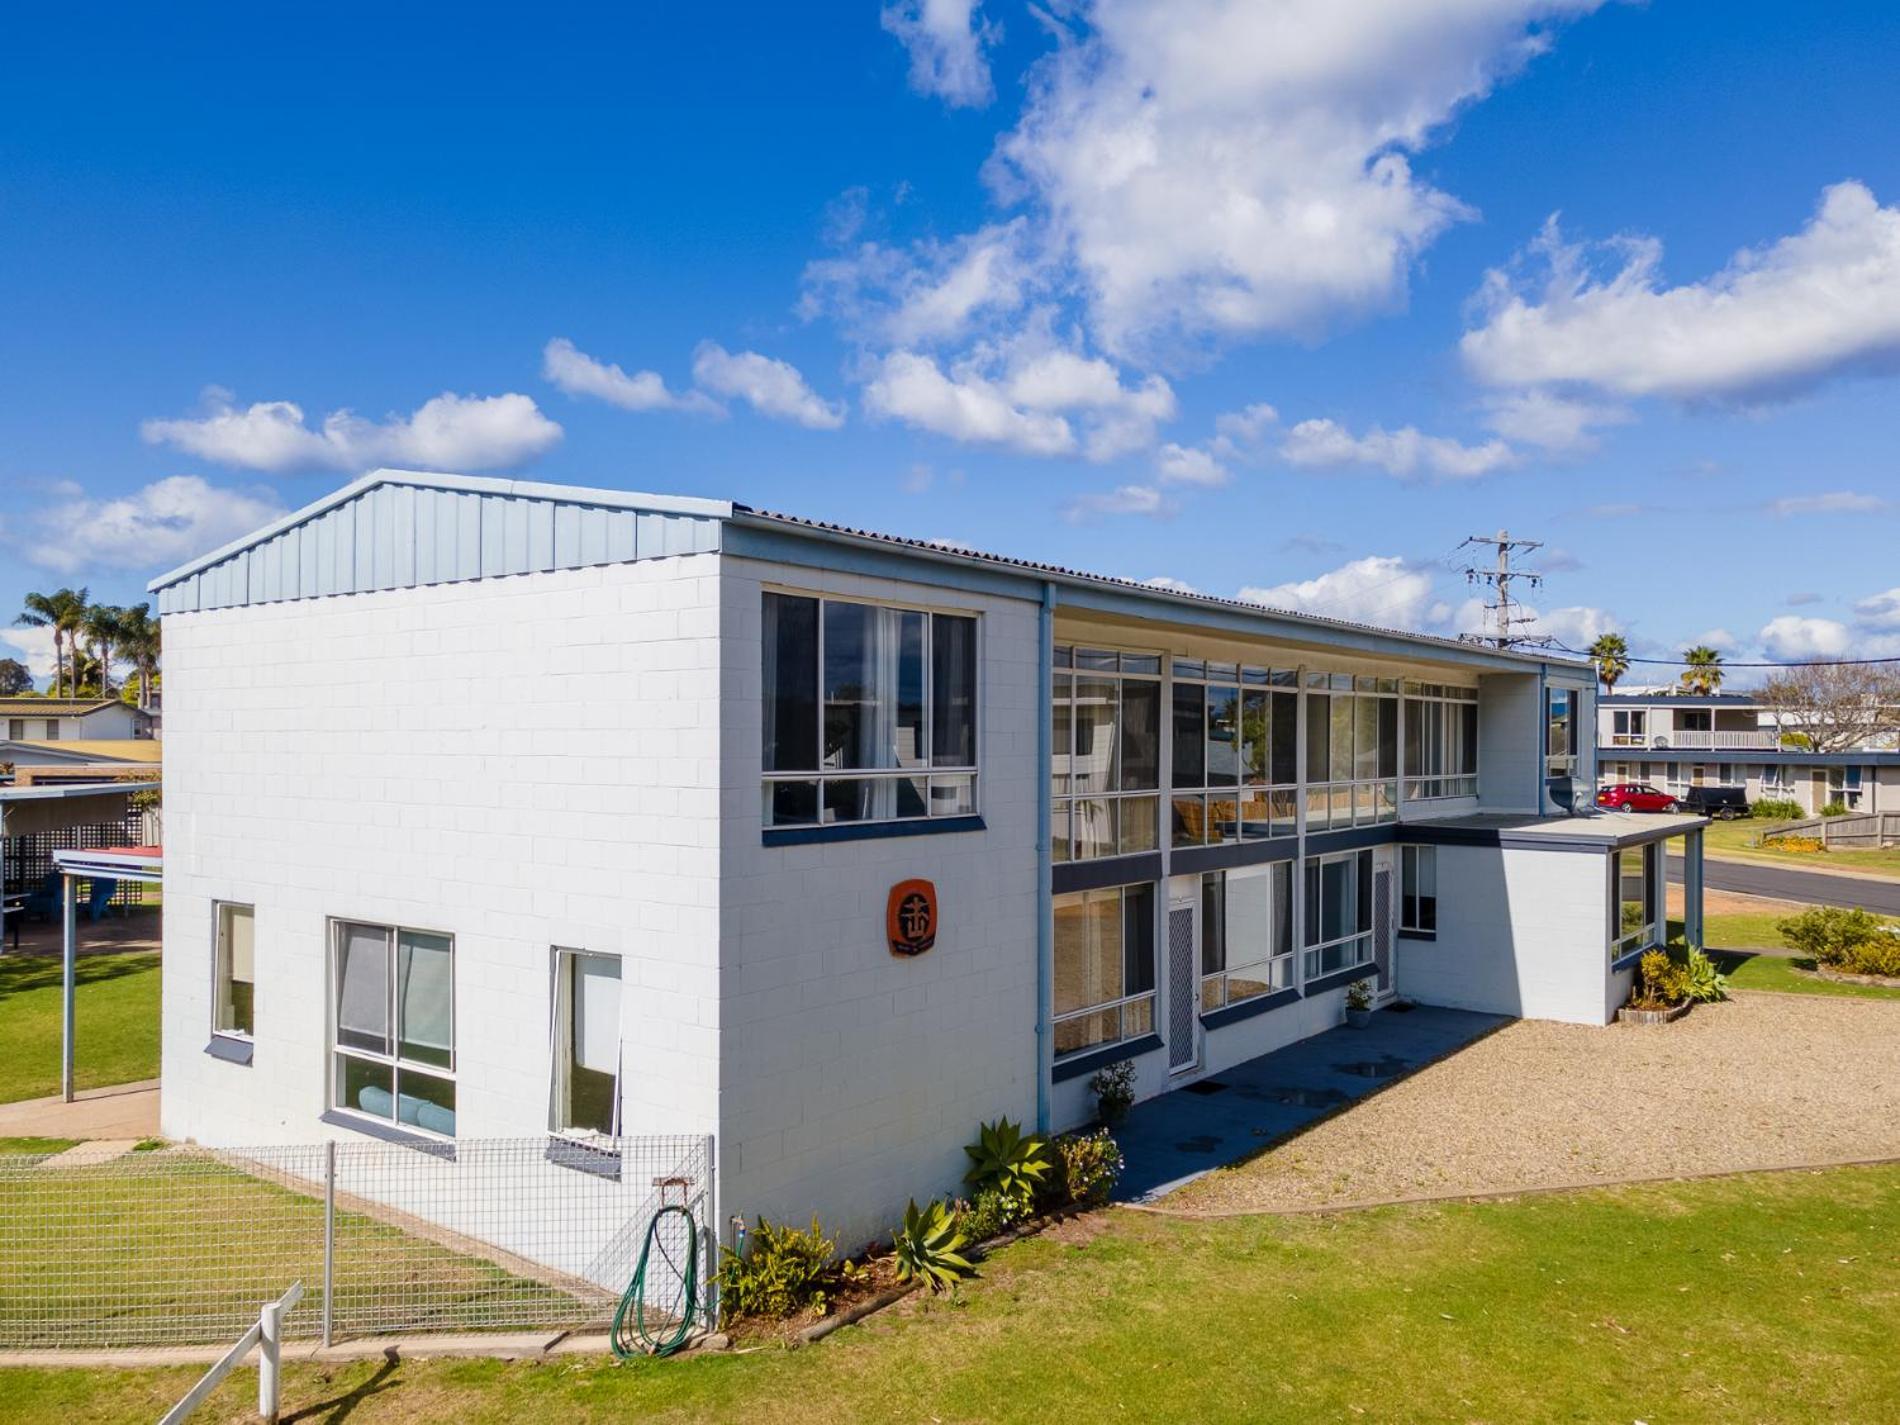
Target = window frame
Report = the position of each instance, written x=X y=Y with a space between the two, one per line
x=1191 y=804
x=1413 y=861
x=1559 y=765
x=563 y=961
x=1280 y=966
x=219 y=974
x=1313 y=953
x=1333 y=802
x=393 y=1061
x=1120 y=1004
x=1066 y=661
x=1439 y=779
x=926 y=771
x=1652 y=932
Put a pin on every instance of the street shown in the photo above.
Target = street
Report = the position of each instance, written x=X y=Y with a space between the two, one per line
x=1812 y=887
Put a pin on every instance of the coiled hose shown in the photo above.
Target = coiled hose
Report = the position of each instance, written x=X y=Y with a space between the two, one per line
x=637 y=1337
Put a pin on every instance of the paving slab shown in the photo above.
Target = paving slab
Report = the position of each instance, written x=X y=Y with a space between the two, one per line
x=121 y=1111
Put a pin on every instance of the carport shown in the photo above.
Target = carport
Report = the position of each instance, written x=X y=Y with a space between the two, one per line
x=121 y=863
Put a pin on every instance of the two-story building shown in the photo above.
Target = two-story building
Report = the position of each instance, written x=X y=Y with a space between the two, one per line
x=497 y=808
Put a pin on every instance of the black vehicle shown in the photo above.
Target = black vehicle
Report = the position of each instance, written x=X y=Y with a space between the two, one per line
x=1722 y=803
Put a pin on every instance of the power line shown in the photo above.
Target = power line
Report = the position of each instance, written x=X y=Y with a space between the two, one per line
x=1792 y=663
x=1500 y=578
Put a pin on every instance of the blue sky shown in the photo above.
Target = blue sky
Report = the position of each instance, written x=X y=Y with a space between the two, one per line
x=1284 y=298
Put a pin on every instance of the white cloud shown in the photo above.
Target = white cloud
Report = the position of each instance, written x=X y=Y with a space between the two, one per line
x=770 y=386
x=33 y=647
x=1549 y=421
x=1170 y=584
x=1833 y=502
x=946 y=40
x=1247 y=425
x=1775 y=320
x=1123 y=500
x=1189 y=465
x=911 y=387
x=1878 y=610
x=1218 y=169
x=579 y=374
x=936 y=291
x=449 y=432
x=1405 y=453
x=1117 y=418
x=1378 y=589
x=162 y=524
x=1790 y=637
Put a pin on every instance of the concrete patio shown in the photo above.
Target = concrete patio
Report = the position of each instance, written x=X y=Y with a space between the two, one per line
x=1171 y=1140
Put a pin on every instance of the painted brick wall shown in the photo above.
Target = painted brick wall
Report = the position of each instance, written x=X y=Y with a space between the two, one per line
x=521 y=762
x=851 y=1079
x=1510 y=742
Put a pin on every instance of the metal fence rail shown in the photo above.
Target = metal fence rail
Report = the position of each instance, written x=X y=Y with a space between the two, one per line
x=178 y=1245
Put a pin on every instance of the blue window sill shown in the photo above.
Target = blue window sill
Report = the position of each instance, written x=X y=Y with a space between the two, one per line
x=868 y=830
x=1087 y=1062
x=1339 y=979
x=388 y=1133
x=232 y=1051
x=1248 y=1008
x=1425 y=935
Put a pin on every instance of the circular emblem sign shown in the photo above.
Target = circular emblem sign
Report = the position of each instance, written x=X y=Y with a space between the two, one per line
x=910 y=917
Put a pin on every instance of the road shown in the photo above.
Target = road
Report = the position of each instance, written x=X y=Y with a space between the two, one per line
x=1812 y=887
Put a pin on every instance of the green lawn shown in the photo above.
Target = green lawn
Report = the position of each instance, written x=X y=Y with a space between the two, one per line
x=37 y=1145
x=1782 y=972
x=1738 y=840
x=116 y=1019
x=1763 y=1298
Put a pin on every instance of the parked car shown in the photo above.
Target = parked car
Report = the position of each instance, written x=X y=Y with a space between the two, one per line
x=1636 y=796
x=1722 y=803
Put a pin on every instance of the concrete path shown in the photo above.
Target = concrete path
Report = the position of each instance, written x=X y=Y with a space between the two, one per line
x=1812 y=887
x=123 y=1111
x=1173 y=1139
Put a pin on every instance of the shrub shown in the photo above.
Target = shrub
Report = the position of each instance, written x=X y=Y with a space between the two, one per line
x=1830 y=933
x=1775 y=809
x=782 y=1273
x=1834 y=809
x=926 y=1244
x=1701 y=981
x=1879 y=956
x=1005 y=1159
x=1088 y=1165
x=1802 y=845
x=989 y=1214
x=1114 y=1090
x=1660 y=982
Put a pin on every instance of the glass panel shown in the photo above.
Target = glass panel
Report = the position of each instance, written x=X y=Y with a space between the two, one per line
x=1086 y=1031
x=1285 y=804
x=1104 y=969
x=425 y=999
x=1223 y=736
x=1253 y=736
x=1138 y=823
x=1190 y=821
x=1061 y=734
x=1283 y=908
x=1141 y=736
x=1342 y=739
x=362 y=993
x=1190 y=760
x=872 y=656
x=1138 y=1018
x=365 y=1087
x=1255 y=819
x=1311 y=891
x=1059 y=832
x=1285 y=768
x=1098 y=658
x=791 y=803
x=952 y=691
x=1141 y=662
x=1318 y=730
x=1335 y=902
x=1213 y=924
x=910 y=750
x=1223 y=819
x=592 y=1050
x=236 y=973
x=953 y=796
x=873 y=798
x=1071 y=949
x=1138 y=945
x=791 y=683
x=426 y=1102
x=1094 y=828
x=1388 y=737
x=1211 y=994
x=1093 y=769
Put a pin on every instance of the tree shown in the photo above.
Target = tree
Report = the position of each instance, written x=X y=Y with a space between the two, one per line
x=101 y=628
x=1703 y=676
x=62 y=611
x=14 y=678
x=1833 y=707
x=138 y=641
x=1612 y=656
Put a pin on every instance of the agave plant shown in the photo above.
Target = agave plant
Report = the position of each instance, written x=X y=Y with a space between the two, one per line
x=1005 y=1159
x=926 y=1247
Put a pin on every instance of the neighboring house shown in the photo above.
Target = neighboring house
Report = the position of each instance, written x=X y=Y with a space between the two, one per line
x=37 y=763
x=71 y=719
x=1675 y=741
x=538 y=810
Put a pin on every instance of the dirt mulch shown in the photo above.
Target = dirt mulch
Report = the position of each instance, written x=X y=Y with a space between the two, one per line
x=1758 y=1082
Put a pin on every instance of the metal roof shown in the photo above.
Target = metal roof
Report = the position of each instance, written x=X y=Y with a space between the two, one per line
x=57 y=707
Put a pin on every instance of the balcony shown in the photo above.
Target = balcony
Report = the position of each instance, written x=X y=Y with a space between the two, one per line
x=1755 y=739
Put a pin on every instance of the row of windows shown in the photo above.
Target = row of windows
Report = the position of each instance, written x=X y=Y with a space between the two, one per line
x=16 y=729
x=392 y=1024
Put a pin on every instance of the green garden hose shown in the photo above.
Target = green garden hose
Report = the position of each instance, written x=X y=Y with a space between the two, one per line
x=680 y=1312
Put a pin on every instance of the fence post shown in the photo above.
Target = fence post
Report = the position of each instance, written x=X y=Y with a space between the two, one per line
x=270 y=1330
x=712 y=1234
x=329 y=1238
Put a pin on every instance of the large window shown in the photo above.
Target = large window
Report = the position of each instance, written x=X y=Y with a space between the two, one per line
x=1235 y=752
x=234 y=976
x=1104 y=967
x=1352 y=750
x=869 y=712
x=1338 y=912
x=1105 y=753
x=1629 y=727
x=1560 y=740
x=1638 y=899
x=1246 y=933
x=393 y=1047
x=1441 y=741
x=586 y=1044
x=1418 y=890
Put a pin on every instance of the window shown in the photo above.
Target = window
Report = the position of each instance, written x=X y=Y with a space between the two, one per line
x=1352 y=750
x=1236 y=768
x=1104 y=967
x=234 y=974
x=1418 y=890
x=1105 y=753
x=1441 y=741
x=1629 y=727
x=1560 y=744
x=394 y=1015
x=1246 y=934
x=16 y=728
x=1776 y=780
x=1633 y=874
x=52 y=729
x=1338 y=912
x=586 y=1043
x=1843 y=785
x=869 y=712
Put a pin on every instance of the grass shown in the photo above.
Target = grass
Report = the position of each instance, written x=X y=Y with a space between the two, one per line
x=1784 y=973
x=1750 y=1298
x=37 y=1145
x=1738 y=840
x=116 y=1020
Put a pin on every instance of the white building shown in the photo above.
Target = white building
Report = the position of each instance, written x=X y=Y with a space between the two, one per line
x=498 y=808
x=71 y=720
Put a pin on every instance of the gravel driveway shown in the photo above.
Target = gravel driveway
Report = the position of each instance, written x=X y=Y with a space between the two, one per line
x=1760 y=1081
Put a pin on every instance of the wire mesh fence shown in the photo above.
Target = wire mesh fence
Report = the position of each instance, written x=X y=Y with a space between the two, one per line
x=180 y=1245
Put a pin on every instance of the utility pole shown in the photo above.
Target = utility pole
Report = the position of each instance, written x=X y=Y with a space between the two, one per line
x=1501 y=615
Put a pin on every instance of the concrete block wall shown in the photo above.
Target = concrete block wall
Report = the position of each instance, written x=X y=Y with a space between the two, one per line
x=519 y=762
x=852 y=1078
x=1510 y=742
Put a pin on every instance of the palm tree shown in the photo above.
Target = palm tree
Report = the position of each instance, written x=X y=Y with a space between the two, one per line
x=1612 y=656
x=138 y=641
x=101 y=628
x=62 y=611
x=1703 y=676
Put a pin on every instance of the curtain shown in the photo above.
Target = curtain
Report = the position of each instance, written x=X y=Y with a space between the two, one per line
x=425 y=999
x=362 y=998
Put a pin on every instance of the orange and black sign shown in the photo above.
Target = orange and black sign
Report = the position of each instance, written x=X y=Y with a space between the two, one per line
x=910 y=917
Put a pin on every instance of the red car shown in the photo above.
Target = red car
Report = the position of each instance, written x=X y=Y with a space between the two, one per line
x=1636 y=796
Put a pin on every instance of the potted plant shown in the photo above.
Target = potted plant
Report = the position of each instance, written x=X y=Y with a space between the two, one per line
x=1114 y=1089
x=1359 y=1003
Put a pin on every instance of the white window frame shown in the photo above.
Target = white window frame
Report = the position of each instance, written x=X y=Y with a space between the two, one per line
x=1148 y=999
x=1064 y=800
x=563 y=960
x=391 y=1060
x=1650 y=934
x=1412 y=862
x=1282 y=799
x=1312 y=960
x=219 y=973
x=1277 y=971
x=1340 y=802
x=1418 y=784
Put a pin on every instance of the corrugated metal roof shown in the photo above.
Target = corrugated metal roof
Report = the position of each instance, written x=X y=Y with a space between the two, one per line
x=110 y=749
x=56 y=707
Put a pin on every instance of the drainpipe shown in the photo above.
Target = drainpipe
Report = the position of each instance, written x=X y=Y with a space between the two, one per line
x=1045 y=899
x=1541 y=743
